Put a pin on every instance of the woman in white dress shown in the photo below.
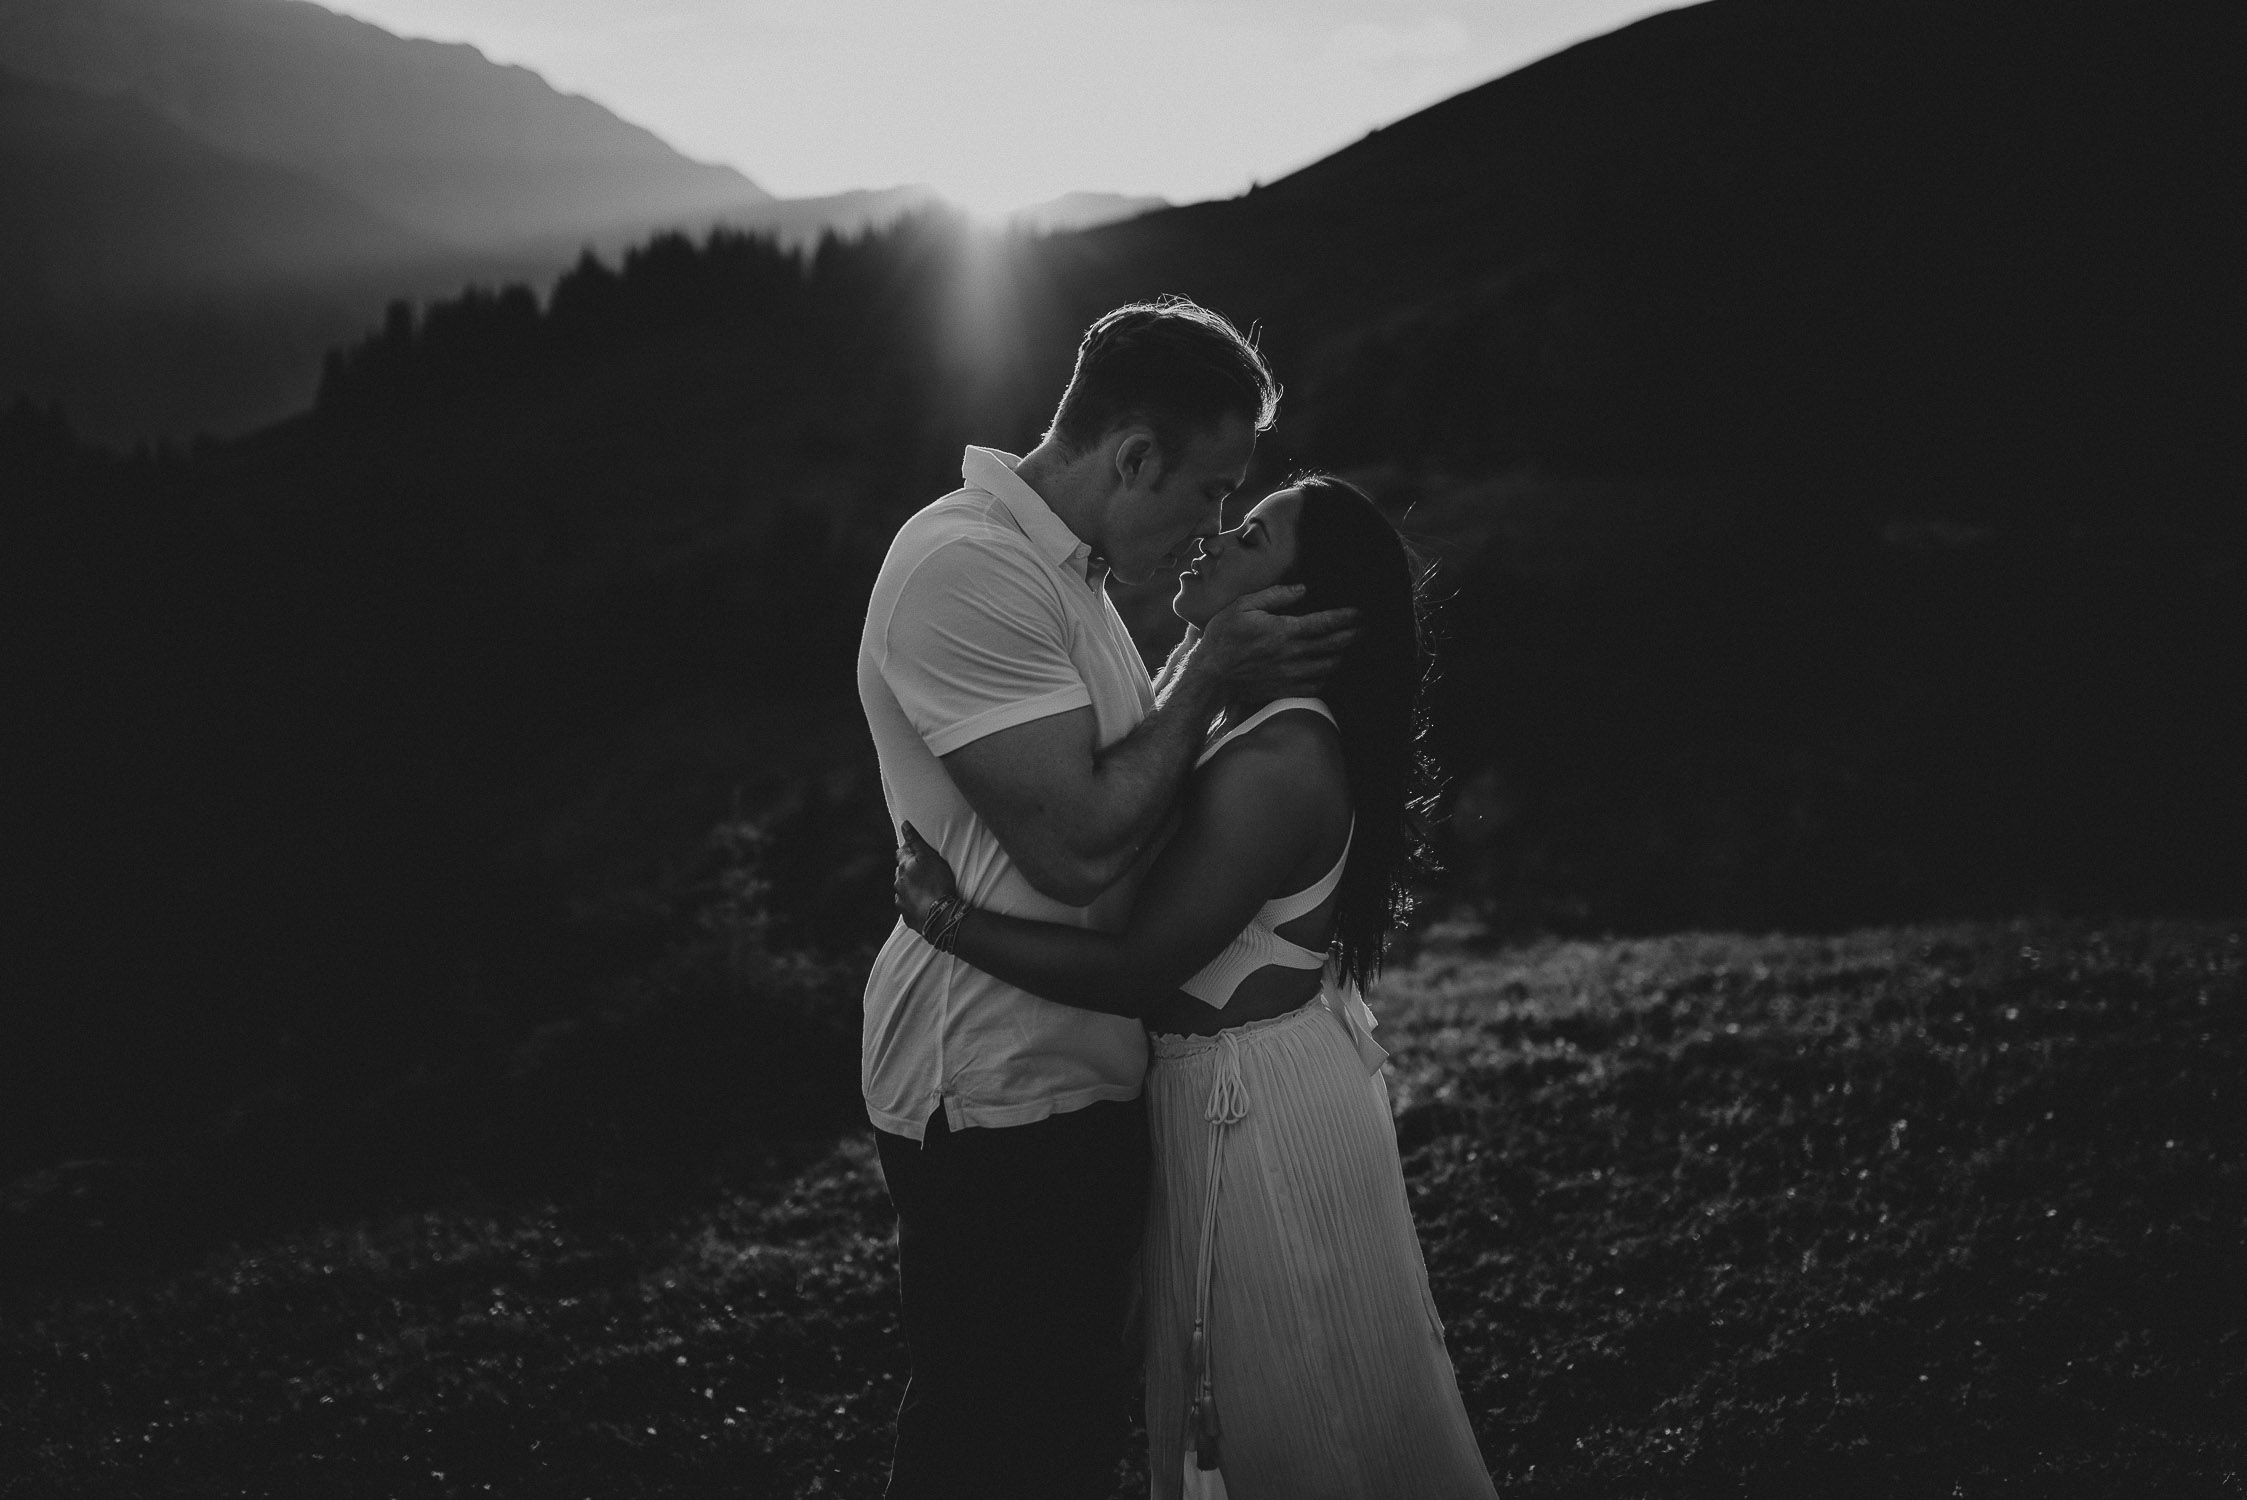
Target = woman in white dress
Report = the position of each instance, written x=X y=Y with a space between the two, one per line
x=1293 y=1350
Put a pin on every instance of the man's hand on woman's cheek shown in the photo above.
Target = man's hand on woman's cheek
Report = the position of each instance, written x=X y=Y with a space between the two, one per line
x=1261 y=653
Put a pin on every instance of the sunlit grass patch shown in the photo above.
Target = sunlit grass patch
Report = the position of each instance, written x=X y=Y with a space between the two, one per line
x=1882 y=1212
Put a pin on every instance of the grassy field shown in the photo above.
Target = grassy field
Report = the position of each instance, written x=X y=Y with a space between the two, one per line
x=1932 y=1211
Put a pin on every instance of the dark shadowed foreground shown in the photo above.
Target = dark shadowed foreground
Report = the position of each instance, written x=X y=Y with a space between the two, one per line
x=1923 y=1211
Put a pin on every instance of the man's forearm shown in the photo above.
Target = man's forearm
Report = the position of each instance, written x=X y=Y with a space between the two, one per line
x=1139 y=777
x=1073 y=829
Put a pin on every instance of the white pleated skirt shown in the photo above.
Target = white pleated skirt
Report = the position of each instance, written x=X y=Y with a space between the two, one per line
x=1326 y=1360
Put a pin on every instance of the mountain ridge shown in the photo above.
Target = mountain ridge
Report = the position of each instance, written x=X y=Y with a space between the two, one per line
x=432 y=134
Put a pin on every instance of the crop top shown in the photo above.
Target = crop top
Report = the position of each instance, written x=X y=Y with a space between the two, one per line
x=1259 y=943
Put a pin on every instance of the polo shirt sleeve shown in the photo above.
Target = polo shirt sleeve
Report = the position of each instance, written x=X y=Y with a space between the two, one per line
x=979 y=642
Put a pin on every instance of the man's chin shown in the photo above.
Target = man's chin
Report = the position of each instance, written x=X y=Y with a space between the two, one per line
x=1134 y=576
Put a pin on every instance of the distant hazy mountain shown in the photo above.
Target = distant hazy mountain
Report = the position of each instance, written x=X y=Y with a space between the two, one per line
x=154 y=283
x=106 y=199
x=798 y=223
x=1083 y=211
x=431 y=135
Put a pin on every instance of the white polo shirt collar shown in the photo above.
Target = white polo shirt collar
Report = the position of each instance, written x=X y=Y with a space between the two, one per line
x=993 y=470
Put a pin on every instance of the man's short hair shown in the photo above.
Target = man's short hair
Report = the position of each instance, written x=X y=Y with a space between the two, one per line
x=1170 y=363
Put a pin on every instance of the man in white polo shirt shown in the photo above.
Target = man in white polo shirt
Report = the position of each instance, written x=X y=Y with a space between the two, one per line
x=1018 y=731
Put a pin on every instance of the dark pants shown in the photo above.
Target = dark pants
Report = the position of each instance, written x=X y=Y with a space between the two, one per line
x=1014 y=1252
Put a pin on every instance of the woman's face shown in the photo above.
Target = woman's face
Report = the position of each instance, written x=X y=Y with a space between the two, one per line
x=1254 y=555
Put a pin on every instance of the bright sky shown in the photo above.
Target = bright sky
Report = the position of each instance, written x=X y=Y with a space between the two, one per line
x=1003 y=103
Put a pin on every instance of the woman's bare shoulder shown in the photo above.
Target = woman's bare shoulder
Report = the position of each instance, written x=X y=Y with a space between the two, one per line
x=1297 y=753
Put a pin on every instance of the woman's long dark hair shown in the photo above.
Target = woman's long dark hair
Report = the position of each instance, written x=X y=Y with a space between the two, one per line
x=1347 y=553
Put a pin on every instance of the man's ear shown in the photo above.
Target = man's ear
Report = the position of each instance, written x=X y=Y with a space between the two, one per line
x=1137 y=459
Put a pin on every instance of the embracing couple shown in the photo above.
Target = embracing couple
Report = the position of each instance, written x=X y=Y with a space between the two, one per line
x=1116 y=1054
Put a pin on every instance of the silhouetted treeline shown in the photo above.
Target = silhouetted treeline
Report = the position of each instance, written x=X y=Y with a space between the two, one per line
x=1819 y=417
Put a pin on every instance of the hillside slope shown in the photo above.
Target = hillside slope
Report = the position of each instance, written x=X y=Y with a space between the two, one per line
x=1979 y=251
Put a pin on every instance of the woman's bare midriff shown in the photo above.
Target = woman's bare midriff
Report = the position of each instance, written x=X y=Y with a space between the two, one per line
x=1273 y=990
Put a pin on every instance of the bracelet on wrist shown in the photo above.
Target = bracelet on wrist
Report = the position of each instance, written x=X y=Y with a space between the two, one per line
x=941 y=930
x=948 y=936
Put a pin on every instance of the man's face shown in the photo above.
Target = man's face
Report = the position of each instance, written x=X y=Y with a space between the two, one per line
x=1165 y=507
